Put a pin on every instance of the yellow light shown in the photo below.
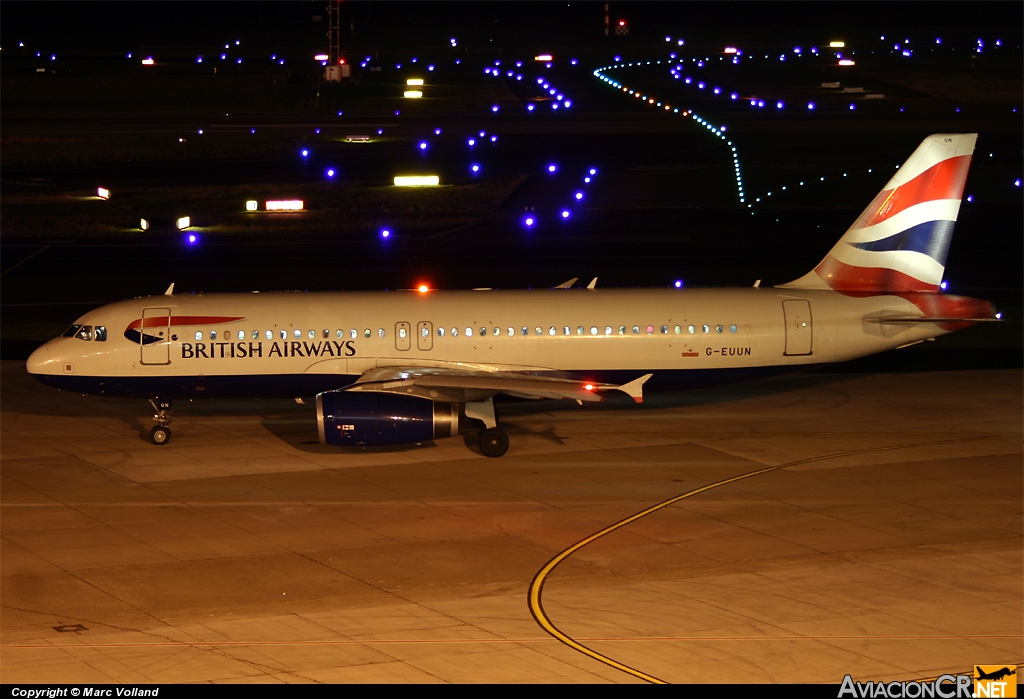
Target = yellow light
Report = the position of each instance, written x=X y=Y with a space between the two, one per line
x=417 y=181
x=183 y=223
x=284 y=205
x=413 y=94
x=836 y=44
x=423 y=288
x=414 y=81
x=147 y=61
x=103 y=193
x=321 y=57
x=251 y=205
x=730 y=49
x=846 y=62
x=544 y=57
x=143 y=224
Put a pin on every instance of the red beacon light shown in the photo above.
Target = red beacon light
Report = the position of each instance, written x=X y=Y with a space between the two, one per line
x=423 y=288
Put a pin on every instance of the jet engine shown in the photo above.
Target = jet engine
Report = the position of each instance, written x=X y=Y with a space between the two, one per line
x=373 y=419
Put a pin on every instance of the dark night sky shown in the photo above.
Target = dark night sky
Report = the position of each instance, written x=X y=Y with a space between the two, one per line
x=115 y=25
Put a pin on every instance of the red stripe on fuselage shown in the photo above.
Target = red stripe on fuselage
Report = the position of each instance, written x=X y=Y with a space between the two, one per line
x=161 y=321
x=944 y=180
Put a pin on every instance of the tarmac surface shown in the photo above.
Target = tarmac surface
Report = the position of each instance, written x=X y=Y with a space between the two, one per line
x=887 y=547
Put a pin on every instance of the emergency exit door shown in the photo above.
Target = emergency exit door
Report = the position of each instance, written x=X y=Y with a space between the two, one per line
x=424 y=335
x=799 y=331
x=402 y=339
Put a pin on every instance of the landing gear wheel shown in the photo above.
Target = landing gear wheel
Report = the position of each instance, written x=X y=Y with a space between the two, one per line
x=493 y=442
x=160 y=435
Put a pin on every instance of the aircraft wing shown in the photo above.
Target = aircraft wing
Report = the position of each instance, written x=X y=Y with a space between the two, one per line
x=462 y=385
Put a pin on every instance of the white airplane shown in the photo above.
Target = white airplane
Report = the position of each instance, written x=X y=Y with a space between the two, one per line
x=402 y=367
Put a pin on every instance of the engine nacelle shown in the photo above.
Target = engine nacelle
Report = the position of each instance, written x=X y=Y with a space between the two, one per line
x=357 y=418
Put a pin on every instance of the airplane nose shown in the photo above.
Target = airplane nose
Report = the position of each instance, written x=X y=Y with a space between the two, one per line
x=39 y=362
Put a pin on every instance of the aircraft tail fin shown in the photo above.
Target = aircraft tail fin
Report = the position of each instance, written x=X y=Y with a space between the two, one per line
x=899 y=243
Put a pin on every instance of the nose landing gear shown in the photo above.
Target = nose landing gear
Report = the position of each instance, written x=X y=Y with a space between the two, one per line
x=161 y=432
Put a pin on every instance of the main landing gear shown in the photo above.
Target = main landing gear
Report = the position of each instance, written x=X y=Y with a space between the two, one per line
x=493 y=440
x=161 y=432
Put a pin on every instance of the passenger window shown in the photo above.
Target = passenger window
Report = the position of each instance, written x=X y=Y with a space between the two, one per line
x=607 y=330
x=622 y=329
x=401 y=333
x=366 y=333
x=690 y=329
x=732 y=329
x=339 y=334
x=593 y=329
x=380 y=332
x=664 y=330
x=199 y=334
x=353 y=333
x=469 y=332
x=284 y=334
x=213 y=334
x=650 y=329
x=270 y=334
x=255 y=334
x=678 y=330
x=718 y=328
x=455 y=332
x=241 y=334
x=706 y=329
x=312 y=334
x=526 y=331
x=511 y=331
x=551 y=331
x=72 y=331
x=101 y=333
x=566 y=330
x=424 y=332
x=483 y=332
x=297 y=333
x=538 y=330
x=85 y=333
x=497 y=331
x=327 y=333
x=636 y=329
x=579 y=329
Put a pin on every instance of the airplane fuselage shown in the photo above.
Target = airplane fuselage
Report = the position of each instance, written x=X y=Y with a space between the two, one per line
x=295 y=343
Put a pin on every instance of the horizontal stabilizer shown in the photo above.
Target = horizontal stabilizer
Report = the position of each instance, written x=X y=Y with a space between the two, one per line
x=928 y=319
x=568 y=284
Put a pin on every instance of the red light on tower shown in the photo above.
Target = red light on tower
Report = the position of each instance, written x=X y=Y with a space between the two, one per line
x=622 y=22
x=423 y=288
x=341 y=61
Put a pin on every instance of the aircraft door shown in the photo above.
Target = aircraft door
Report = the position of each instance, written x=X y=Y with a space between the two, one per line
x=155 y=336
x=799 y=331
x=402 y=339
x=424 y=335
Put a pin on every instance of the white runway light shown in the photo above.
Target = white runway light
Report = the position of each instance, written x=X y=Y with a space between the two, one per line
x=417 y=181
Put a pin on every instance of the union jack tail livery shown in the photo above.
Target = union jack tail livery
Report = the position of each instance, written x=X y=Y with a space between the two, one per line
x=899 y=243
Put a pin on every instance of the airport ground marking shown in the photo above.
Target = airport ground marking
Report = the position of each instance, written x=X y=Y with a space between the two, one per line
x=537 y=584
x=23 y=260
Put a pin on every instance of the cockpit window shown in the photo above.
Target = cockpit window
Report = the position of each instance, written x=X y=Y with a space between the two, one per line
x=84 y=333
x=101 y=334
x=70 y=332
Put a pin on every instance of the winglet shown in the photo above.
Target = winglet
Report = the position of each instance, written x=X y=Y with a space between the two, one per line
x=170 y=290
x=568 y=284
x=635 y=388
x=593 y=284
